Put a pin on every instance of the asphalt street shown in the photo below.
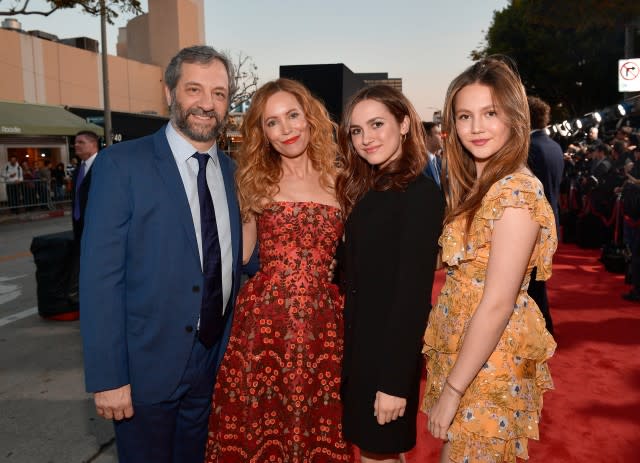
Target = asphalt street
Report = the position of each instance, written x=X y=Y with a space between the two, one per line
x=45 y=415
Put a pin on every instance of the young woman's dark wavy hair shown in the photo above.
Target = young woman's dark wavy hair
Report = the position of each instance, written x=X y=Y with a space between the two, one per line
x=356 y=175
x=463 y=191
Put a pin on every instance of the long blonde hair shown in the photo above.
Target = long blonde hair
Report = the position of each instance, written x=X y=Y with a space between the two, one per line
x=259 y=166
x=463 y=191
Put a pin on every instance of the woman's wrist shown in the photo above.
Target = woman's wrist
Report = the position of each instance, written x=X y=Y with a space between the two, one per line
x=457 y=391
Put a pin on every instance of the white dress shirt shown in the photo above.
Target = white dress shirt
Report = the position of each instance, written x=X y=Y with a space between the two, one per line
x=433 y=164
x=89 y=162
x=188 y=167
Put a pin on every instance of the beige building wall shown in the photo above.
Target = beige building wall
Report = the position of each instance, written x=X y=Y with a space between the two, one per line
x=163 y=32
x=40 y=71
x=51 y=73
x=121 y=45
x=170 y=25
x=146 y=88
x=11 y=83
x=129 y=91
x=80 y=77
x=119 y=83
x=137 y=37
x=190 y=23
x=173 y=25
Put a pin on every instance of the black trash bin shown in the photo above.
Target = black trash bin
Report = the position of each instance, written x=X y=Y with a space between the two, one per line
x=57 y=266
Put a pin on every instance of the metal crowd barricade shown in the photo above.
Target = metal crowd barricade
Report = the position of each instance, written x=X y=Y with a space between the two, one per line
x=29 y=195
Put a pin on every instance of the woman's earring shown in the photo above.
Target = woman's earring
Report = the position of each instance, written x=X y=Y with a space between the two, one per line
x=404 y=138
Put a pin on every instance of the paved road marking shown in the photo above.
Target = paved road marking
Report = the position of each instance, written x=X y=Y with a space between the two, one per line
x=15 y=256
x=18 y=316
x=9 y=292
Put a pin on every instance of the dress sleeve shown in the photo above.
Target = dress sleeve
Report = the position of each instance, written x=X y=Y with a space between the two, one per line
x=418 y=229
x=523 y=191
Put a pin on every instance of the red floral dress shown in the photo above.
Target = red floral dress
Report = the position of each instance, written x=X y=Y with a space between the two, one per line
x=277 y=393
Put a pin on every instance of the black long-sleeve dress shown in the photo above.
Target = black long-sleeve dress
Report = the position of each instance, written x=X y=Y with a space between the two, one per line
x=389 y=258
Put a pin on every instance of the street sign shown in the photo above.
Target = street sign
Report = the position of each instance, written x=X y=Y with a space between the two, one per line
x=629 y=75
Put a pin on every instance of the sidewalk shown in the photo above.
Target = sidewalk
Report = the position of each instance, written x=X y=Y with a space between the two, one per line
x=45 y=414
x=47 y=417
x=7 y=217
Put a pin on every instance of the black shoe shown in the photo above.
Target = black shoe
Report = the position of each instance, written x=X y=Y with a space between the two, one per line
x=631 y=296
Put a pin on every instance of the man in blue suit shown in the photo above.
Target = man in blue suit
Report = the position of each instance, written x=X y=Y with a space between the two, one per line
x=433 y=140
x=546 y=161
x=160 y=268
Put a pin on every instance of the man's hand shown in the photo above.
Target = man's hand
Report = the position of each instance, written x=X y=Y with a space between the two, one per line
x=114 y=404
x=388 y=407
x=332 y=269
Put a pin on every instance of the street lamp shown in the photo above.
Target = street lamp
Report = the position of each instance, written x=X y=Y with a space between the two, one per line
x=105 y=74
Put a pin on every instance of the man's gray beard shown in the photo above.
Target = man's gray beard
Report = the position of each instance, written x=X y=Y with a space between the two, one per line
x=180 y=118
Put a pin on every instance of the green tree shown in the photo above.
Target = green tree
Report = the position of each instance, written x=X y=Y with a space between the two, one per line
x=567 y=51
x=113 y=7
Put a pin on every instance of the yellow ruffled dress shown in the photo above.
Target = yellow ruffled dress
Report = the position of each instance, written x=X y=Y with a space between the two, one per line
x=501 y=408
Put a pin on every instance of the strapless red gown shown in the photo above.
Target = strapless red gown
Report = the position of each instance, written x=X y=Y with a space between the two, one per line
x=277 y=393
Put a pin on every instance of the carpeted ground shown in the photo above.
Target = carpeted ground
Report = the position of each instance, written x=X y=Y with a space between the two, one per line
x=593 y=415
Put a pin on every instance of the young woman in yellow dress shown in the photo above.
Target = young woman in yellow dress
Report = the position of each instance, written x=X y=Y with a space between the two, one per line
x=486 y=344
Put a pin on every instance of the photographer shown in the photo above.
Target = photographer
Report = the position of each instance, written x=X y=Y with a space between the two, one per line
x=572 y=189
x=631 y=206
x=597 y=183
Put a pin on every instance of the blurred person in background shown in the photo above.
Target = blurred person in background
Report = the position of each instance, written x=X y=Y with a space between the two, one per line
x=86 y=149
x=13 y=176
x=28 y=186
x=59 y=182
x=546 y=161
x=433 y=169
x=44 y=182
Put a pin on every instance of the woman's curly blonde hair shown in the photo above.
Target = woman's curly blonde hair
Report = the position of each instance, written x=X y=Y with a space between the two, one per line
x=259 y=165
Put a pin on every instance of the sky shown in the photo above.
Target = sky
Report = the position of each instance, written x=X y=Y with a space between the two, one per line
x=425 y=42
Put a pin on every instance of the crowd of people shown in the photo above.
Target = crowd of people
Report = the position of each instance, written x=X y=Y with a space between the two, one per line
x=341 y=228
x=600 y=198
x=29 y=185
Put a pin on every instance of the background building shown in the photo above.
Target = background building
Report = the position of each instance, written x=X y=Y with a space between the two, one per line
x=380 y=78
x=42 y=73
x=156 y=36
x=334 y=84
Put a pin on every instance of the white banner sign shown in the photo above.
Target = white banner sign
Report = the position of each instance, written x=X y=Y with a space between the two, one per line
x=629 y=75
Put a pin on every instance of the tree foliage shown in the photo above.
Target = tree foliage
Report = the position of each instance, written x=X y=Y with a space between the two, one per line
x=93 y=7
x=246 y=77
x=567 y=51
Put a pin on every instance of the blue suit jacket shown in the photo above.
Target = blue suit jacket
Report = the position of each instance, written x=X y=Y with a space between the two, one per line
x=140 y=274
x=546 y=160
x=428 y=170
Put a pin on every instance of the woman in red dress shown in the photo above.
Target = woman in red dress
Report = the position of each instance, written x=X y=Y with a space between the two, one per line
x=277 y=392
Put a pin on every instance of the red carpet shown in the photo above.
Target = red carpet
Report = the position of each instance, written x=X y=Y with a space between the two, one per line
x=593 y=415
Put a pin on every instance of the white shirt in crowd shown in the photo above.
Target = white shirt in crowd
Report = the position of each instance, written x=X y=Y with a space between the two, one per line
x=12 y=173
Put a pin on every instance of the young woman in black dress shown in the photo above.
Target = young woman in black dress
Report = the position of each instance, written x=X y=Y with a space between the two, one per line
x=389 y=257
